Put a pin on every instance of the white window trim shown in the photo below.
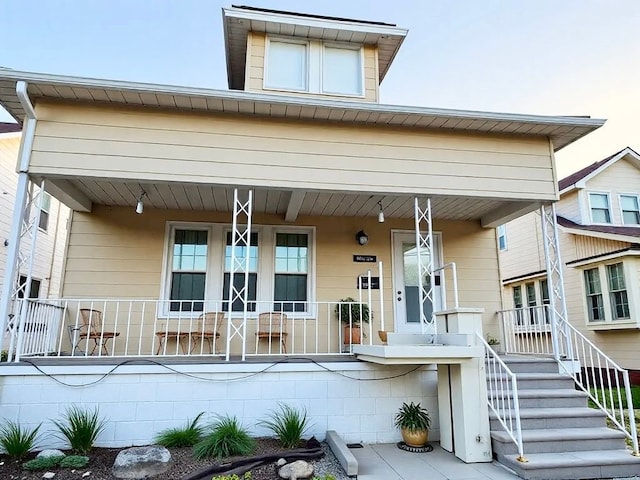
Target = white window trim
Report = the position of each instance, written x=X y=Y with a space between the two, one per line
x=620 y=195
x=314 y=64
x=345 y=46
x=633 y=296
x=306 y=72
x=608 y=195
x=216 y=243
x=501 y=231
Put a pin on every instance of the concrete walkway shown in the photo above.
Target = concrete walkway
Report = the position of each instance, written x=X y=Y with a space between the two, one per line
x=387 y=462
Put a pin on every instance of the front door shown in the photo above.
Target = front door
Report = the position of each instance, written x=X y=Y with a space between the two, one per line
x=405 y=282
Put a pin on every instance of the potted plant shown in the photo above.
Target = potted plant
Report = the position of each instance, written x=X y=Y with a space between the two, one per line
x=414 y=422
x=351 y=313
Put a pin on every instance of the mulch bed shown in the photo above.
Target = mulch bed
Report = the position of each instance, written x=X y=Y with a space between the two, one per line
x=101 y=460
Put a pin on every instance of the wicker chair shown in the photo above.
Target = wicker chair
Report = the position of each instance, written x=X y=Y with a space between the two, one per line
x=209 y=326
x=272 y=325
x=92 y=329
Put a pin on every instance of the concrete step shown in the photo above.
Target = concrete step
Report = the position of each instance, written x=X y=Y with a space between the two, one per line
x=552 y=440
x=535 y=380
x=575 y=465
x=574 y=417
x=530 y=364
x=550 y=398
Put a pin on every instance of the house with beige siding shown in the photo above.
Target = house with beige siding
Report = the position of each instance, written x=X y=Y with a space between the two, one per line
x=225 y=244
x=598 y=218
x=46 y=268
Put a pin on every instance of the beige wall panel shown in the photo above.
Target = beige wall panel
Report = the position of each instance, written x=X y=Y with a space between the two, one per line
x=525 y=252
x=569 y=207
x=591 y=246
x=129 y=144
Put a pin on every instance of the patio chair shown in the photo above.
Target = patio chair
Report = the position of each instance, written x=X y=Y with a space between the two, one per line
x=209 y=326
x=272 y=325
x=91 y=329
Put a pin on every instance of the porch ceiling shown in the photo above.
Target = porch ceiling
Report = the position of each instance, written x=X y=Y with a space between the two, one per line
x=280 y=202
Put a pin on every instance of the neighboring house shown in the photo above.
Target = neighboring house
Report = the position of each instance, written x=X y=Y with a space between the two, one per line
x=52 y=228
x=216 y=235
x=598 y=218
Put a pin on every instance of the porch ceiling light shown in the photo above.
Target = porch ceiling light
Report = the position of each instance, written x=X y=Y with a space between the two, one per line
x=140 y=204
x=362 y=238
x=380 y=213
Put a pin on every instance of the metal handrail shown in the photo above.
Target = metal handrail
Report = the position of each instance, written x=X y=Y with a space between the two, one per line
x=502 y=397
x=454 y=273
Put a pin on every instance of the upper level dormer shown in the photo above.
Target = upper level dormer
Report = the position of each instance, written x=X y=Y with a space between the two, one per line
x=291 y=53
x=606 y=193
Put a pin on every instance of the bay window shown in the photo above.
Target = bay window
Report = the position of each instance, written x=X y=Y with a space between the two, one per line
x=617 y=292
x=595 y=306
x=610 y=302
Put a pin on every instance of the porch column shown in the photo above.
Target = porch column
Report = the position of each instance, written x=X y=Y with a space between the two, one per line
x=555 y=282
x=424 y=247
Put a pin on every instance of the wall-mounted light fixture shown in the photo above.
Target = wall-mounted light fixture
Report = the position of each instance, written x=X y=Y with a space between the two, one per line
x=380 y=213
x=362 y=238
x=140 y=204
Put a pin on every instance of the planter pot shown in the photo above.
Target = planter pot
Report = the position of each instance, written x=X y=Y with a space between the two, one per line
x=351 y=335
x=415 y=439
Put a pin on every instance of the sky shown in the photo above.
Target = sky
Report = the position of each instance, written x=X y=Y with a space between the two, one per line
x=546 y=57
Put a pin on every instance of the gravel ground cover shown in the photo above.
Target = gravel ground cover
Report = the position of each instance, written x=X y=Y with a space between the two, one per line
x=101 y=461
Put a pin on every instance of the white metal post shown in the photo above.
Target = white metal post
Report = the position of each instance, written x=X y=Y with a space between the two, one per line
x=240 y=236
x=424 y=248
x=555 y=281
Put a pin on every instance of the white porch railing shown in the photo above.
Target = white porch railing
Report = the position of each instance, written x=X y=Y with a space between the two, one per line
x=528 y=331
x=502 y=396
x=141 y=328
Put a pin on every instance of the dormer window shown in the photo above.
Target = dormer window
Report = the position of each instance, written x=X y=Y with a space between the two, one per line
x=600 y=208
x=630 y=206
x=313 y=66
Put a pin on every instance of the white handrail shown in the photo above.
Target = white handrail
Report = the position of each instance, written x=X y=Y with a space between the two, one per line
x=454 y=273
x=502 y=396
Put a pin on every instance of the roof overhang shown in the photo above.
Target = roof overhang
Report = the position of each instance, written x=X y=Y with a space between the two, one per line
x=561 y=130
x=604 y=235
x=239 y=21
x=627 y=252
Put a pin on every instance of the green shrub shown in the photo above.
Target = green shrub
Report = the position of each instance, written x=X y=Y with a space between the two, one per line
x=288 y=425
x=227 y=438
x=81 y=428
x=16 y=440
x=43 y=463
x=246 y=476
x=4 y=356
x=74 y=461
x=326 y=476
x=187 y=436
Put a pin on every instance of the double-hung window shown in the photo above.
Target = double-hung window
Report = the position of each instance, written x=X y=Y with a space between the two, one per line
x=544 y=295
x=593 y=289
x=531 y=301
x=630 y=206
x=45 y=208
x=617 y=292
x=291 y=282
x=600 y=209
x=242 y=251
x=188 y=270
x=502 y=237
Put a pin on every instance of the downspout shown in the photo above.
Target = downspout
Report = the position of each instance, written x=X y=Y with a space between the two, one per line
x=24 y=157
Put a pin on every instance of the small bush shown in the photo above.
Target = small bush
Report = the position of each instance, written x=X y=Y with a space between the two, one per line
x=74 y=461
x=326 y=476
x=81 y=428
x=288 y=425
x=246 y=476
x=43 y=463
x=4 y=356
x=227 y=438
x=187 y=436
x=16 y=440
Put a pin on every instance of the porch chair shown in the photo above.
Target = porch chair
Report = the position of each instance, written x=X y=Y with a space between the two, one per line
x=91 y=329
x=272 y=325
x=208 y=330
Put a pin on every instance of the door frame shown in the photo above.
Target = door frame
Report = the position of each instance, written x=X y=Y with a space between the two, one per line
x=438 y=262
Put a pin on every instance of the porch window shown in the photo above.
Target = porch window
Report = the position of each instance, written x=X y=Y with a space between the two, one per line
x=630 y=207
x=531 y=301
x=617 y=292
x=241 y=254
x=600 y=211
x=34 y=288
x=544 y=295
x=45 y=208
x=188 y=270
x=291 y=272
x=595 y=305
x=517 y=303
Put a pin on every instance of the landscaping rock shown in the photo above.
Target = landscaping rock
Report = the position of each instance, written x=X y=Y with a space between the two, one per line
x=296 y=470
x=141 y=462
x=52 y=452
x=49 y=475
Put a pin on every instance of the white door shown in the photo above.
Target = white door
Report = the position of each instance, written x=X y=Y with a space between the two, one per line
x=406 y=289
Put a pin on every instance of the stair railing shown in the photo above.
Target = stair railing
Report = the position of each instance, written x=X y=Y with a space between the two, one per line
x=606 y=383
x=502 y=396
